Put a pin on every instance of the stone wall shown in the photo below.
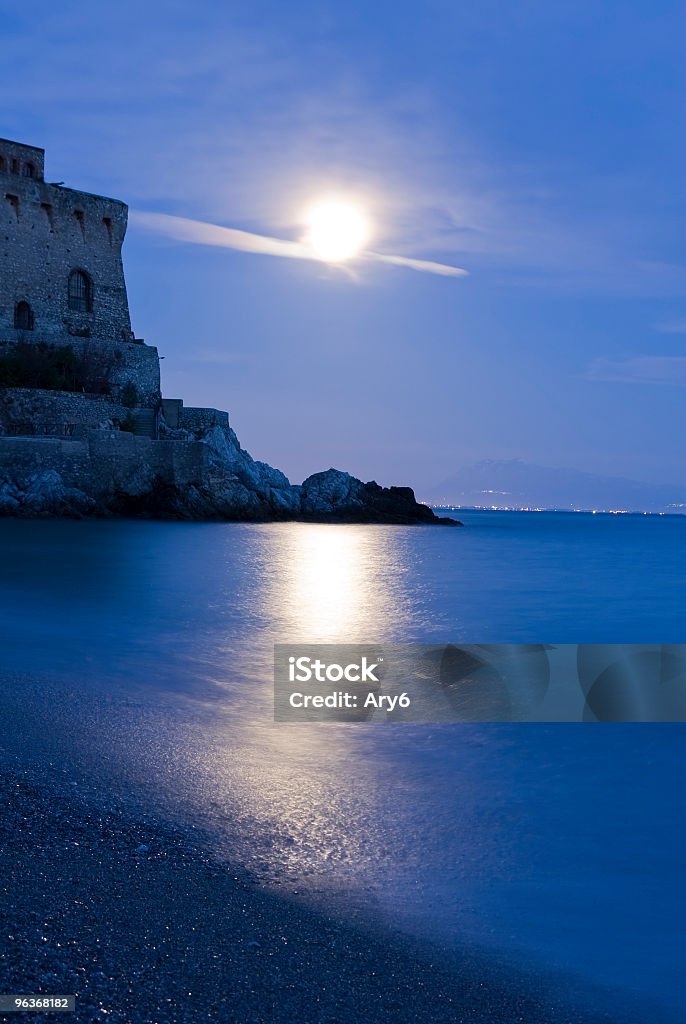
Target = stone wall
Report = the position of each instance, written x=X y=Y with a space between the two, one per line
x=106 y=461
x=191 y=418
x=171 y=409
x=124 y=363
x=179 y=416
x=46 y=232
x=139 y=365
x=29 y=411
x=22 y=160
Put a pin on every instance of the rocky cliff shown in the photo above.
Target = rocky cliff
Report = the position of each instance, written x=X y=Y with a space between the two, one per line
x=230 y=486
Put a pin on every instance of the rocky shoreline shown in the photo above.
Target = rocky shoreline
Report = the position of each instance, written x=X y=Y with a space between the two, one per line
x=233 y=487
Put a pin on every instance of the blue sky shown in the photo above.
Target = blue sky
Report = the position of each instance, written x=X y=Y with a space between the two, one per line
x=539 y=146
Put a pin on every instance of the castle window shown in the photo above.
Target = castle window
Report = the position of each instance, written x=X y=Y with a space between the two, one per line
x=80 y=292
x=23 y=317
x=47 y=210
x=81 y=221
x=3 y=163
x=15 y=166
x=107 y=221
x=14 y=203
x=29 y=170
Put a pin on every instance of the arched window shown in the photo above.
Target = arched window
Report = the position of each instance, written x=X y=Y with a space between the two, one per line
x=29 y=170
x=23 y=317
x=80 y=292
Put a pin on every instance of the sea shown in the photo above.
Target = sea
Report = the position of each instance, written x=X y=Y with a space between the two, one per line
x=137 y=657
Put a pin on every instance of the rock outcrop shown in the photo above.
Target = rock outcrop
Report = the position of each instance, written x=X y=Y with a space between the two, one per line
x=43 y=494
x=232 y=487
x=336 y=495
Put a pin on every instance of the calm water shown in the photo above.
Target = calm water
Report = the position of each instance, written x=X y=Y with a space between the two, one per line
x=138 y=655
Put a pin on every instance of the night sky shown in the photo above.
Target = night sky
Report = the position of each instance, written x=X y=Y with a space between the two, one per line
x=540 y=146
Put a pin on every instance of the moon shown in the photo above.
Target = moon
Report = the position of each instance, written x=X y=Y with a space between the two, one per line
x=336 y=230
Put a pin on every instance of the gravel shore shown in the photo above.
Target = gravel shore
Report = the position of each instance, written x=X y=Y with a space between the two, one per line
x=146 y=928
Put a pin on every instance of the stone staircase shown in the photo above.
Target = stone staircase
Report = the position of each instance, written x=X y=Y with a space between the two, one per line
x=145 y=422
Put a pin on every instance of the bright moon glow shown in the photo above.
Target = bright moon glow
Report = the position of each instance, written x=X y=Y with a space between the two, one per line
x=337 y=231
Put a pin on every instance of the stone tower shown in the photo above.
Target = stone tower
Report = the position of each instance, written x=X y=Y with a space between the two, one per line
x=61 y=273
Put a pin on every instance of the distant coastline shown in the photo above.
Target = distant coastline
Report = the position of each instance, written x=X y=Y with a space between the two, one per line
x=519 y=485
x=550 y=509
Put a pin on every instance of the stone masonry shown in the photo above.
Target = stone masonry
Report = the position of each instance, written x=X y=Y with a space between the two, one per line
x=48 y=232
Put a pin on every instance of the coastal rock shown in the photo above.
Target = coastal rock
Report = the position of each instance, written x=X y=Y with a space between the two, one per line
x=44 y=494
x=338 y=496
x=332 y=490
x=242 y=488
x=122 y=479
x=265 y=493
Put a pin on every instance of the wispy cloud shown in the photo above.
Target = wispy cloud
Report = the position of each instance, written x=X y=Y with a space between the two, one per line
x=640 y=370
x=427 y=266
x=199 y=233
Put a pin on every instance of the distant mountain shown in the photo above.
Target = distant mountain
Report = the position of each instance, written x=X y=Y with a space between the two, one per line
x=516 y=484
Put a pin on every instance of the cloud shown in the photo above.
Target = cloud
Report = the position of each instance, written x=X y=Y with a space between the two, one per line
x=639 y=370
x=183 y=229
x=198 y=233
x=428 y=266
